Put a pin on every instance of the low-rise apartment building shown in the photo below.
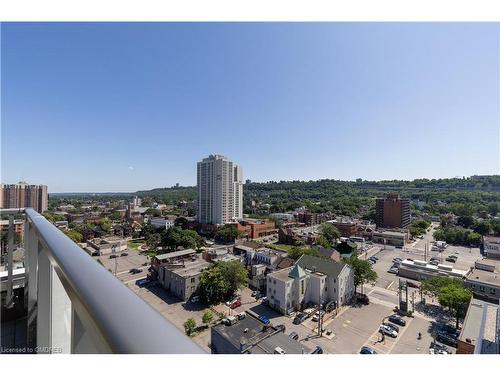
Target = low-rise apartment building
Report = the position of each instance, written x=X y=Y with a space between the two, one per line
x=311 y=279
x=106 y=245
x=183 y=278
x=162 y=222
x=347 y=228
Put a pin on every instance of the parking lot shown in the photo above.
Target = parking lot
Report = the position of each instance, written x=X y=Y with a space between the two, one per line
x=125 y=263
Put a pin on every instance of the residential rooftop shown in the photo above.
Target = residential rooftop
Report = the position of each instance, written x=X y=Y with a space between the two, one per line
x=175 y=254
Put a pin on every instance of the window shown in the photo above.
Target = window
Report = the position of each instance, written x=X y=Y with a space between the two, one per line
x=301 y=286
x=192 y=280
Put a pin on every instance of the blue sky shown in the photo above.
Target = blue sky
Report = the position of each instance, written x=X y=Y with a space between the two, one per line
x=127 y=106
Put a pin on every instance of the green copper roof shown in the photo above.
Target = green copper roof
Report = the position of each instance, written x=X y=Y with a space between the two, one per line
x=297 y=272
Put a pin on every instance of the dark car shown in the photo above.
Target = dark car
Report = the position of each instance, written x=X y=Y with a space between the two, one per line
x=448 y=330
x=367 y=350
x=124 y=254
x=293 y=336
x=317 y=350
x=446 y=339
x=134 y=271
x=299 y=318
x=112 y=256
x=397 y=319
x=264 y=319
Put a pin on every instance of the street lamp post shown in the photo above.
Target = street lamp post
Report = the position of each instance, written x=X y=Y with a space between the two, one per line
x=113 y=251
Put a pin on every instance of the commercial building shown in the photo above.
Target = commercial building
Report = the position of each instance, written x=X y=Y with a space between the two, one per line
x=182 y=278
x=253 y=228
x=347 y=228
x=107 y=245
x=484 y=280
x=22 y=195
x=162 y=260
x=252 y=336
x=481 y=329
x=283 y=216
x=220 y=190
x=311 y=279
x=491 y=246
x=421 y=270
x=390 y=238
x=392 y=212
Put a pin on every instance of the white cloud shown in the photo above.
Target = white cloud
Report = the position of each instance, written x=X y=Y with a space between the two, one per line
x=131 y=168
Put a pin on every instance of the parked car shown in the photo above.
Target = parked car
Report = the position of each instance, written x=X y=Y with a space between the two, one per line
x=112 y=256
x=448 y=330
x=367 y=350
x=230 y=320
x=143 y=282
x=397 y=259
x=434 y=262
x=393 y=326
x=299 y=318
x=254 y=293
x=264 y=300
x=241 y=315
x=134 y=271
x=446 y=339
x=394 y=270
x=439 y=348
x=435 y=258
x=124 y=254
x=397 y=319
x=374 y=258
x=293 y=336
x=386 y=330
x=195 y=299
x=317 y=315
x=232 y=301
x=317 y=350
x=451 y=259
x=236 y=303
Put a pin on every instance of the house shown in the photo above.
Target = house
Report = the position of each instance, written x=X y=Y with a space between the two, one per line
x=311 y=279
x=162 y=222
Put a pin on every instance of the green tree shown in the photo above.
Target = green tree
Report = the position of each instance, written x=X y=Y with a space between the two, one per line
x=456 y=298
x=330 y=233
x=482 y=227
x=363 y=272
x=105 y=224
x=153 y=212
x=115 y=216
x=222 y=280
x=181 y=222
x=74 y=235
x=207 y=316
x=189 y=326
x=323 y=242
x=228 y=233
x=153 y=240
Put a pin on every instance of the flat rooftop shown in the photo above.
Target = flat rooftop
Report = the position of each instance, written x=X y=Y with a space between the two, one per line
x=175 y=254
x=282 y=274
x=484 y=276
x=190 y=268
x=257 y=340
x=480 y=327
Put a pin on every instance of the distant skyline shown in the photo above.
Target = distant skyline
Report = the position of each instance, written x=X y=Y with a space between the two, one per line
x=120 y=107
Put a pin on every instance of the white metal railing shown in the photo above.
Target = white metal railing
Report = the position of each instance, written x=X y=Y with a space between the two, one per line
x=74 y=305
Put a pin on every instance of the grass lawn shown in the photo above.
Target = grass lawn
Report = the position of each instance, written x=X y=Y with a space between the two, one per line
x=134 y=245
x=278 y=246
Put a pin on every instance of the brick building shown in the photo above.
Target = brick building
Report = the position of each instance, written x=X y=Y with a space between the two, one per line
x=392 y=212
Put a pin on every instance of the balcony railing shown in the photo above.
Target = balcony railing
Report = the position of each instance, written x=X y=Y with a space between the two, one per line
x=74 y=305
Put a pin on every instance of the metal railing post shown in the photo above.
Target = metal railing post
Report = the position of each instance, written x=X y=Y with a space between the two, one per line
x=44 y=305
x=31 y=281
x=10 y=266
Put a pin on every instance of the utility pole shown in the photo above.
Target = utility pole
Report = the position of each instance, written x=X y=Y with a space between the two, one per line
x=113 y=251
